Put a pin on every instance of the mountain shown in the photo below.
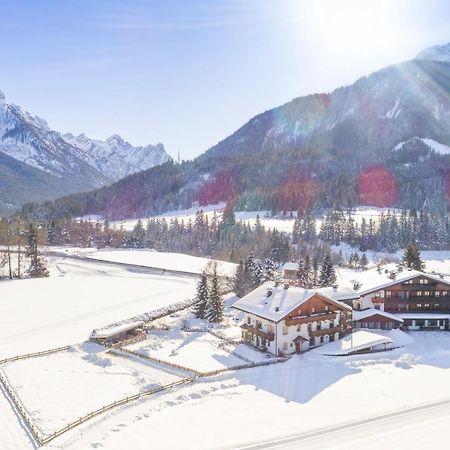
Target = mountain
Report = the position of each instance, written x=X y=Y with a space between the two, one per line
x=115 y=157
x=320 y=151
x=439 y=53
x=37 y=163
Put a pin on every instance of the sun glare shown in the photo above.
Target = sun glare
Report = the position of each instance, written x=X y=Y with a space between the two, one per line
x=364 y=26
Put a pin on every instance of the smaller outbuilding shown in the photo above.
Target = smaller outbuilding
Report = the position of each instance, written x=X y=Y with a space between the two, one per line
x=376 y=319
x=127 y=332
x=357 y=342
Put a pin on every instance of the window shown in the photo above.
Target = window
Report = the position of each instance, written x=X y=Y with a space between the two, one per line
x=313 y=310
x=437 y=293
x=419 y=293
x=249 y=320
x=423 y=281
x=419 y=306
x=258 y=325
x=426 y=293
x=426 y=306
x=326 y=308
x=388 y=293
x=444 y=293
x=285 y=330
x=298 y=327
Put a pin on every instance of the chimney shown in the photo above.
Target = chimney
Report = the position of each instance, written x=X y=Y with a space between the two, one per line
x=277 y=308
x=269 y=292
x=286 y=286
x=392 y=275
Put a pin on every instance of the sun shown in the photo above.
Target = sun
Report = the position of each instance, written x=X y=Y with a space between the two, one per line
x=366 y=27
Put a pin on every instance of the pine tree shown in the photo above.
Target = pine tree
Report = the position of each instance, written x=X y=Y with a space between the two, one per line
x=327 y=273
x=412 y=258
x=214 y=312
x=38 y=267
x=201 y=299
x=364 y=261
x=302 y=274
x=240 y=280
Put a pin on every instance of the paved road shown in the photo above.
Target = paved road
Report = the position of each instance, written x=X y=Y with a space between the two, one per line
x=419 y=428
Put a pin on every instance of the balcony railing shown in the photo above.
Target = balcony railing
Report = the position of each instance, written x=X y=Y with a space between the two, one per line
x=324 y=331
x=258 y=332
x=310 y=319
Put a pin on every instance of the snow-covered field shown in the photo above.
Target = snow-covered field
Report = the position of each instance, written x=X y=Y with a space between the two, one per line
x=162 y=260
x=196 y=350
x=308 y=392
x=59 y=388
x=37 y=314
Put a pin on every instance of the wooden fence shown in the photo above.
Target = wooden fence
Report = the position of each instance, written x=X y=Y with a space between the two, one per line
x=115 y=404
x=21 y=409
x=160 y=361
x=34 y=355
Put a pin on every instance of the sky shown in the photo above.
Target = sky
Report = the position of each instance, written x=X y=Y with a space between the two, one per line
x=188 y=73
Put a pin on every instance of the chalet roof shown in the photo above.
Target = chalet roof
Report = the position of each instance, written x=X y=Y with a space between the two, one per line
x=354 y=342
x=283 y=301
x=366 y=313
x=372 y=280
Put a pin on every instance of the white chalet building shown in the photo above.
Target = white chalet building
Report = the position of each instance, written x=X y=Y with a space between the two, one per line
x=285 y=319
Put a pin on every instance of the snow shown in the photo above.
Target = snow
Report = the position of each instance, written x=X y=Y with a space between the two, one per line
x=282 y=301
x=42 y=383
x=163 y=260
x=434 y=145
x=304 y=394
x=111 y=331
x=354 y=342
x=424 y=315
x=364 y=314
x=78 y=297
x=115 y=157
x=371 y=280
x=198 y=351
x=394 y=111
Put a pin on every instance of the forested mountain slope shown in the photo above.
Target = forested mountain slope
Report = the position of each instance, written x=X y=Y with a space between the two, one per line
x=379 y=141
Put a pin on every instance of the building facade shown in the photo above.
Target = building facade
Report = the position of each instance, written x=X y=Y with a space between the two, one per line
x=285 y=319
x=421 y=300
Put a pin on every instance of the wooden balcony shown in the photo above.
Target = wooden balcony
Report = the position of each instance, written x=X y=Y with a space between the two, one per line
x=324 y=331
x=258 y=332
x=310 y=319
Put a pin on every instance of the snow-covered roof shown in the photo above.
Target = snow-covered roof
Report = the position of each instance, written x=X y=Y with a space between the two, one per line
x=364 y=314
x=372 y=280
x=424 y=315
x=290 y=266
x=357 y=341
x=283 y=301
x=109 y=332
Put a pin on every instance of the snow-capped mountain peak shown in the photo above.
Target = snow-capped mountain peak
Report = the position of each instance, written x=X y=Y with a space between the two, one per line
x=115 y=157
x=439 y=53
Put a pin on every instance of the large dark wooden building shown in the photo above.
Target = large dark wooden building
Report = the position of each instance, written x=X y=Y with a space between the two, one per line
x=421 y=300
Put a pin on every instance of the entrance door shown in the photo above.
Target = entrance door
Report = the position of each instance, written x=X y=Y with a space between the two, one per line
x=298 y=347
